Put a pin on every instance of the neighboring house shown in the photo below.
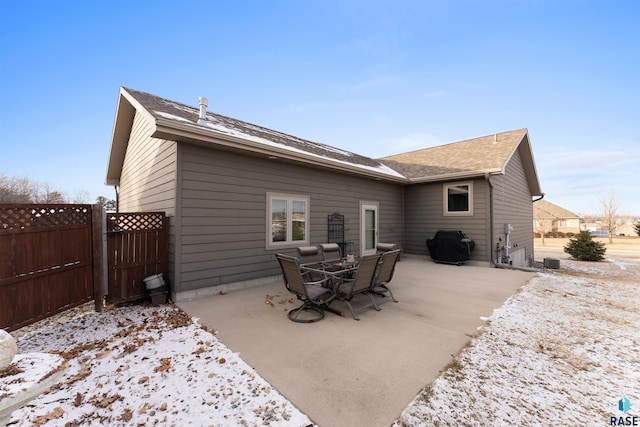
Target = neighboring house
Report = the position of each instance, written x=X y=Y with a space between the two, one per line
x=550 y=218
x=238 y=193
x=624 y=227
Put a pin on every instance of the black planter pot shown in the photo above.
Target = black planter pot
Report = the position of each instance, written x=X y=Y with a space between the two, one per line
x=158 y=295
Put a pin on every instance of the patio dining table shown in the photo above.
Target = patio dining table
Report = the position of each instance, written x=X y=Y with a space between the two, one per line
x=338 y=270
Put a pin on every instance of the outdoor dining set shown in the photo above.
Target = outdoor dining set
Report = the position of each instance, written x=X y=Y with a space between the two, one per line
x=320 y=275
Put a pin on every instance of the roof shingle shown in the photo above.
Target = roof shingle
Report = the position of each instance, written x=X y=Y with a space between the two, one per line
x=545 y=209
x=464 y=159
x=164 y=108
x=484 y=154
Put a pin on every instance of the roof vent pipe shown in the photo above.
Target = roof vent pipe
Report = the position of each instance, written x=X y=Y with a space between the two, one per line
x=202 y=118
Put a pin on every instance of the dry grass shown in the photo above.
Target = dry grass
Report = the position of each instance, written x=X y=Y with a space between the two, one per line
x=620 y=243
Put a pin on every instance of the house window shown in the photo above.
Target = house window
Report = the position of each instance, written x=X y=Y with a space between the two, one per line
x=458 y=199
x=287 y=220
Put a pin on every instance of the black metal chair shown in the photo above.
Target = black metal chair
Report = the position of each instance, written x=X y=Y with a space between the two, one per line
x=361 y=283
x=314 y=295
x=386 y=269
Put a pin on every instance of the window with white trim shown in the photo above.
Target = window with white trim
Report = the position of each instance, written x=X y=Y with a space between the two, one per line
x=287 y=220
x=458 y=198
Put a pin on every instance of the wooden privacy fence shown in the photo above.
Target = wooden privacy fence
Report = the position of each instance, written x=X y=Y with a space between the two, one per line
x=137 y=247
x=48 y=259
x=52 y=258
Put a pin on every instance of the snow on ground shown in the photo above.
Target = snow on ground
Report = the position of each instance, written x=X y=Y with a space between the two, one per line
x=144 y=365
x=563 y=350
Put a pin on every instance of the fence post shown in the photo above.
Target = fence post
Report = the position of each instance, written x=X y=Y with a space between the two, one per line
x=98 y=252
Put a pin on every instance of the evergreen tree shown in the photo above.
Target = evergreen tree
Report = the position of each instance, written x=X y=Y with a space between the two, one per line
x=108 y=204
x=584 y=248
x=636 y=226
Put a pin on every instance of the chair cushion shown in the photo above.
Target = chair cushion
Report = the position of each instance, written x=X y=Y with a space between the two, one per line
x=386 y=247
x=307 y=250
x=329 y=247
x=315 y=291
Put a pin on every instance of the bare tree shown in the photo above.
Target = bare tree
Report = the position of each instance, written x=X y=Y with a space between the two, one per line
x=26 y=190
x=543 y=225
x=609 y=210
x=543 y=220
x=81 y=196
x=5 y=190
x=16 y=190
x=45 y=193
x=53 y=197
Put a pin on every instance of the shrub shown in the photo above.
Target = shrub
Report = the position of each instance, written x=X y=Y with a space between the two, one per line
x=584 y=248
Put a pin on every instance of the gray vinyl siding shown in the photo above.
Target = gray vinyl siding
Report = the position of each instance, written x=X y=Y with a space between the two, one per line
x=424 y=216
x=148 y=178
x=513 y=205
x=223 y=212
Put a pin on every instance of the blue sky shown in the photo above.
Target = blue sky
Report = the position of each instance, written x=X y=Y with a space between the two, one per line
x=374 y=77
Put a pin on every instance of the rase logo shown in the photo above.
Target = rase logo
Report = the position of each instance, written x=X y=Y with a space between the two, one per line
x=624 y=405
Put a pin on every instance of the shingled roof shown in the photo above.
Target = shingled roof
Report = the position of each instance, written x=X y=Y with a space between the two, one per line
x=179 y=122
x=479 y=155
x=544 y=209
x=176 y=121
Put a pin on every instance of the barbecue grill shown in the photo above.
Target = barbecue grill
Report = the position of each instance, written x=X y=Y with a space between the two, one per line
x=450 y=246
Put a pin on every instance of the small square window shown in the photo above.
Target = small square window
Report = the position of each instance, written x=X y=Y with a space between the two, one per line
x=458 y=199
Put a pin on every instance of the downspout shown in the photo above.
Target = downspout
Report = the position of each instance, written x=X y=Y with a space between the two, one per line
x=539 y=198
x=536 y=200
x=404 y=214
x=117 y=189
x=487 y=178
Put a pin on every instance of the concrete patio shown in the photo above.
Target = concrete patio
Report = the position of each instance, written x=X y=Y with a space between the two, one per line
x=343 y=372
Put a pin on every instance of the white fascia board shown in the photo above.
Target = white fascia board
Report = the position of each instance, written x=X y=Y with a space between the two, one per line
x=172 y=130
x=456 y=176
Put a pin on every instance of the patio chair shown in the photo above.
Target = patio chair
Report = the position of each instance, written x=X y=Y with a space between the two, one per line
x=362 y=283
x=386 y=268
x=386 y=247
x=310 y=256
x=330 y=252
x=314 y=295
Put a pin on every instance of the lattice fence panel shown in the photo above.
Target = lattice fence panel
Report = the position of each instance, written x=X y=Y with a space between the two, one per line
x=28 y=217
x=137 y=247
x=135 y=221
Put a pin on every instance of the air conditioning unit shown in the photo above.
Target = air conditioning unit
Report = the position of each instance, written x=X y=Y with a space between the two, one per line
x=553 y=263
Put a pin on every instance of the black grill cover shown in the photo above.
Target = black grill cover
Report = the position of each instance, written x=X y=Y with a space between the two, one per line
x=451 y=246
